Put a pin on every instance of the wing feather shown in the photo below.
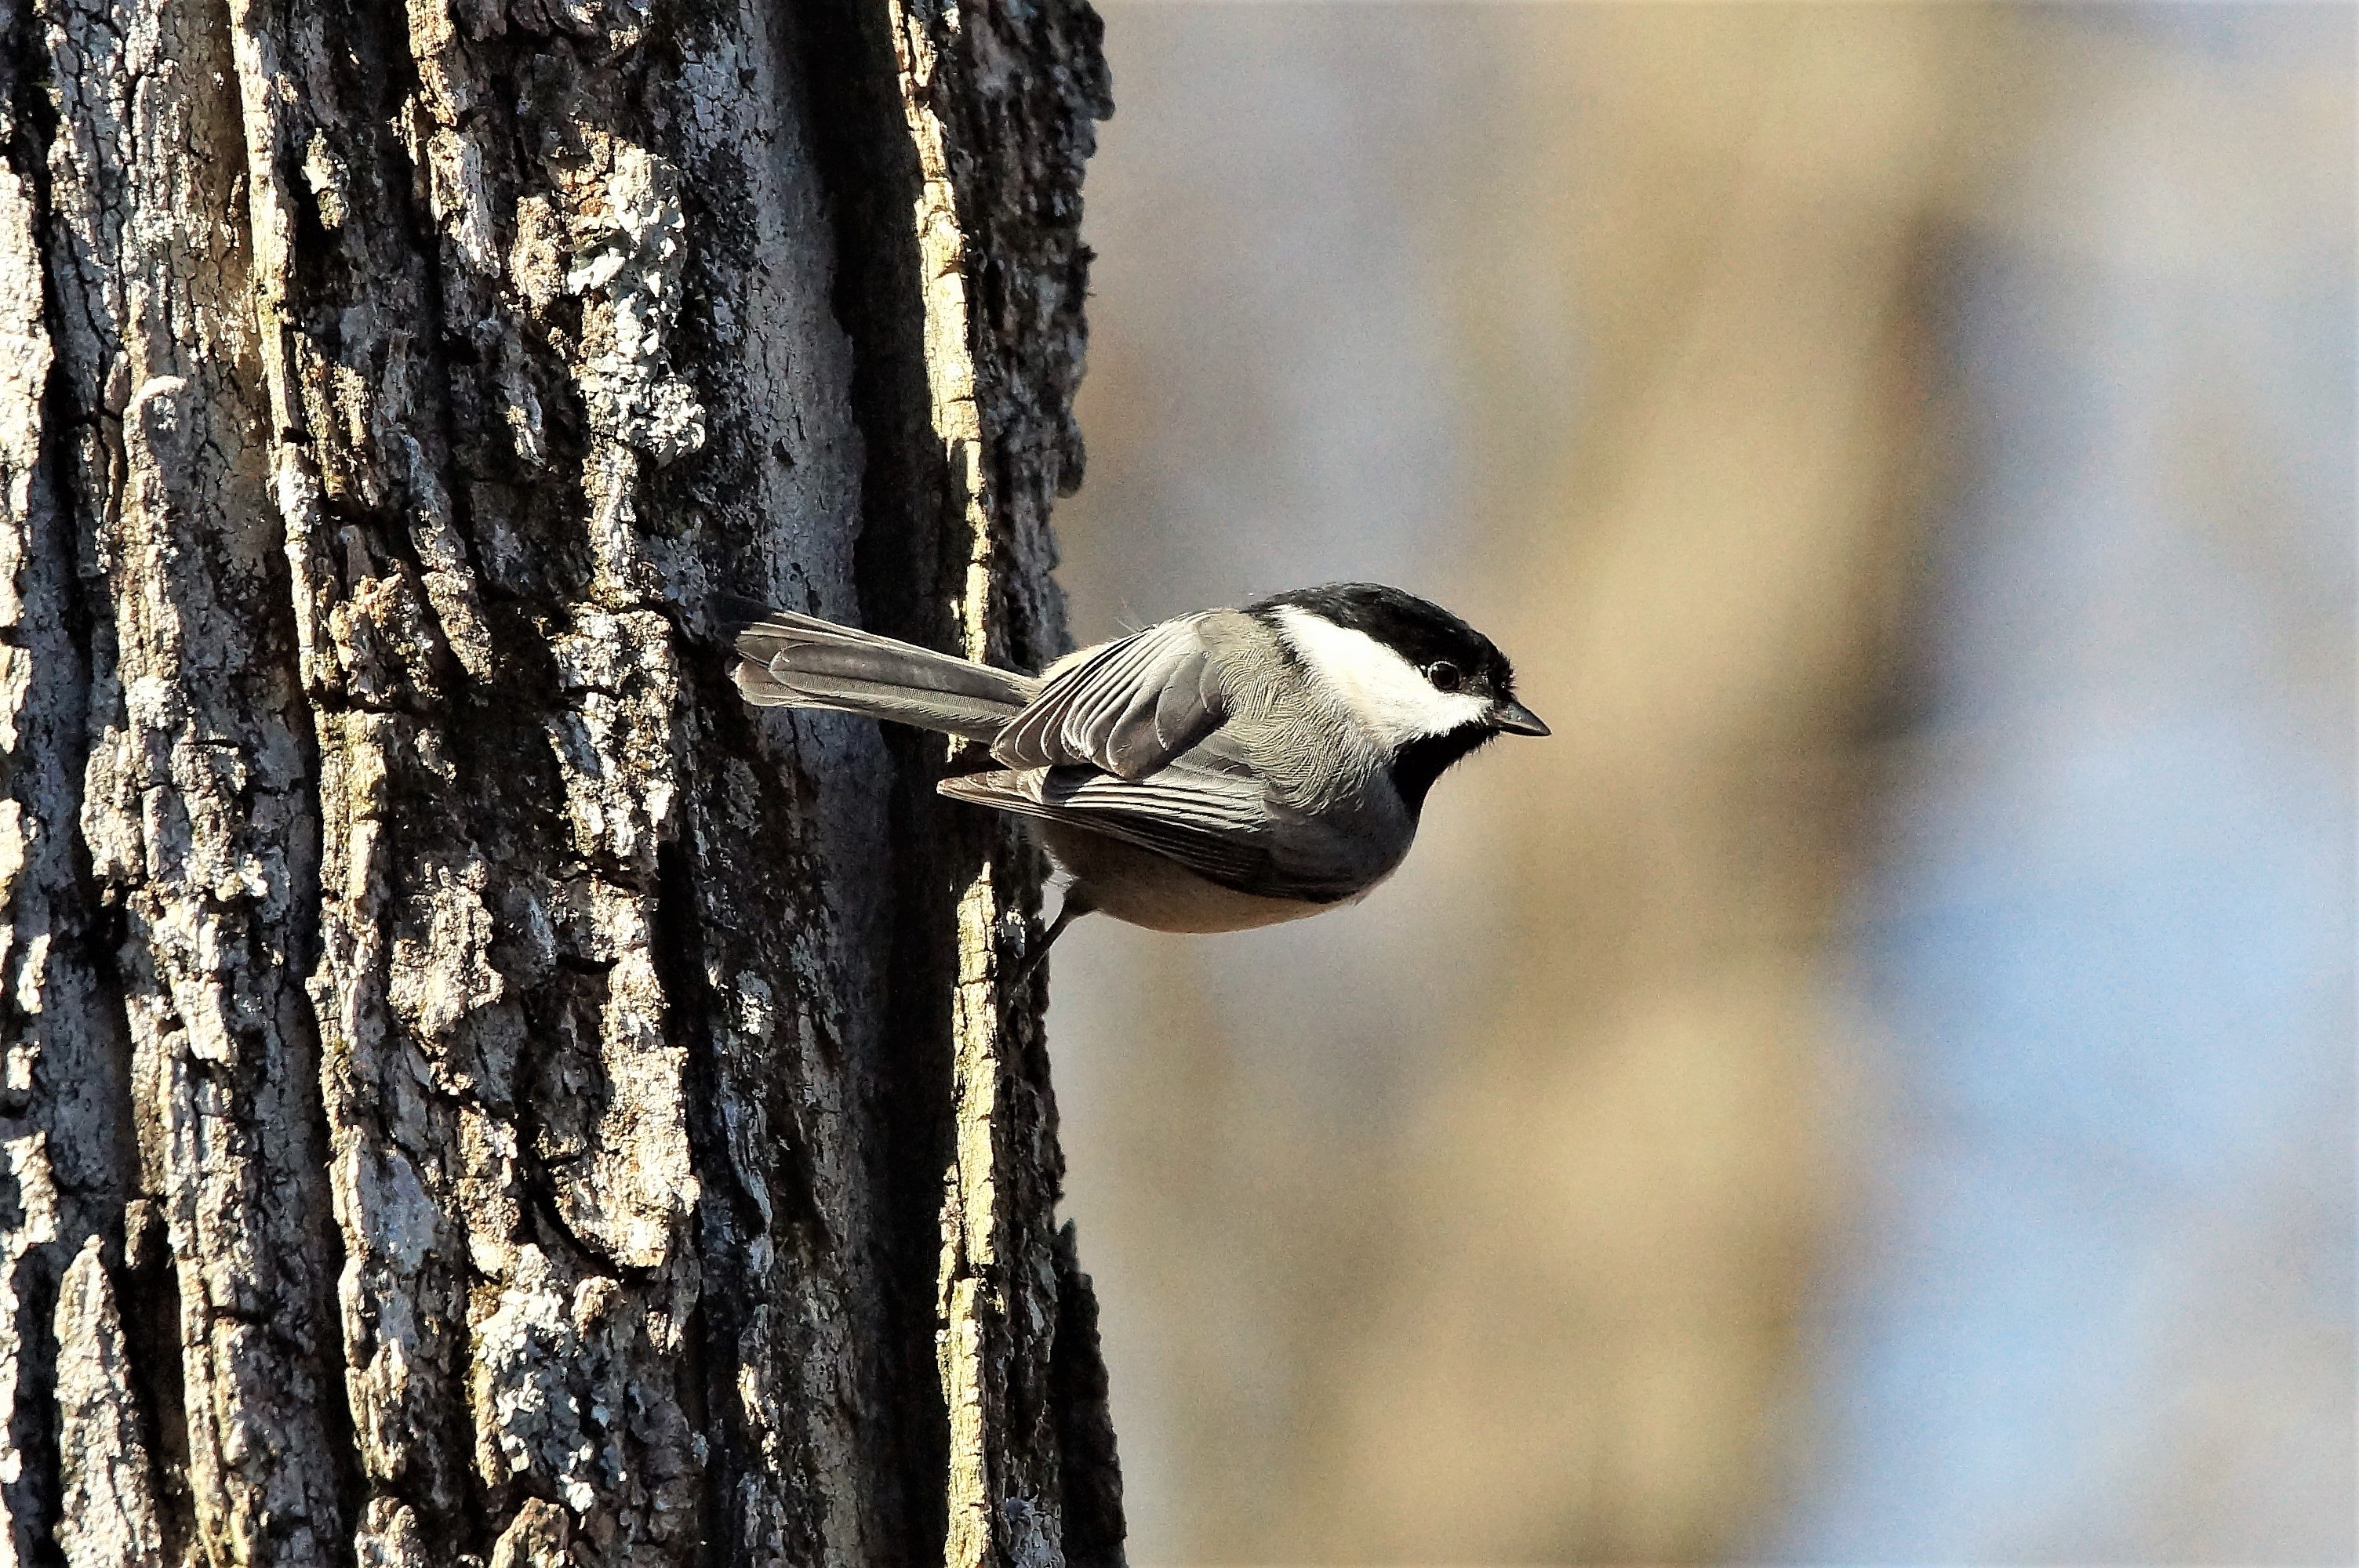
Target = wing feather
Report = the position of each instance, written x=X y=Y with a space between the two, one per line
x=1128 y=709
x=1213 y=822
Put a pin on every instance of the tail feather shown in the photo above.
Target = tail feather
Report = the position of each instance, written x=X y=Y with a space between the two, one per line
x=798 y=661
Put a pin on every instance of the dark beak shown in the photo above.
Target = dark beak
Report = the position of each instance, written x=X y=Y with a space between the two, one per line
x=1514 y=718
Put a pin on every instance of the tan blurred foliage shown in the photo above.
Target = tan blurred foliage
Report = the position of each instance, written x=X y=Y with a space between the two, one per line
x=1548 y=1316
x=1608 y=1218
x=1534 y=1296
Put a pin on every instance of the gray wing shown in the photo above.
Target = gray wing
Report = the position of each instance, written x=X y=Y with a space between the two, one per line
x=1127 y=709
x=1214 y=821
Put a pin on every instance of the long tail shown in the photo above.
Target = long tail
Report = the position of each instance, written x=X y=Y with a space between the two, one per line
x=797 y=661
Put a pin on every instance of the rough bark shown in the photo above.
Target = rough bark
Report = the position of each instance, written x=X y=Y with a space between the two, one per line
x=474 y=1091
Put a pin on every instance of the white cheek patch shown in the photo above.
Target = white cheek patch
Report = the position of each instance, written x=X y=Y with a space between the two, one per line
x=1396 y=702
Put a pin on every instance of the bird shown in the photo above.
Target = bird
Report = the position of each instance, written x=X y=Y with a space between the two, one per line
x=1220 y=771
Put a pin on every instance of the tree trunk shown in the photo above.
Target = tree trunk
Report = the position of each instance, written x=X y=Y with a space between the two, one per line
x=474 y=1091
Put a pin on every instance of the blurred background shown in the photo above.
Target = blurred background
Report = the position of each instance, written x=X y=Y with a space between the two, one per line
x=1877 y=1086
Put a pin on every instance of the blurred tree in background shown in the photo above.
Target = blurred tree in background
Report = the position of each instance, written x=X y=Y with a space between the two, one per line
x=1630 y=1179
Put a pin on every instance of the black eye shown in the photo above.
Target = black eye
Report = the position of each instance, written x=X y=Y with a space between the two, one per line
x=1445 y=676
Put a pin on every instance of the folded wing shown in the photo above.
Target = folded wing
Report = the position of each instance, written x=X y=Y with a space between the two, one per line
x=1128 y=709
x=1209 y=818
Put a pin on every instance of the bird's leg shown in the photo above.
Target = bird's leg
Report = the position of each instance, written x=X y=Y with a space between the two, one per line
x=1077 y=903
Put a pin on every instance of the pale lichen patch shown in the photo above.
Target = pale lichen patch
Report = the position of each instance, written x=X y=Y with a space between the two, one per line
x=629 y=249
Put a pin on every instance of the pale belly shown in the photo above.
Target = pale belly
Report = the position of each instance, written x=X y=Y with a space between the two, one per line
x=1145 y=889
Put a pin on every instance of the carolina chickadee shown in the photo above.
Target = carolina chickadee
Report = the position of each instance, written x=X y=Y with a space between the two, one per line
x=1224 y=770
